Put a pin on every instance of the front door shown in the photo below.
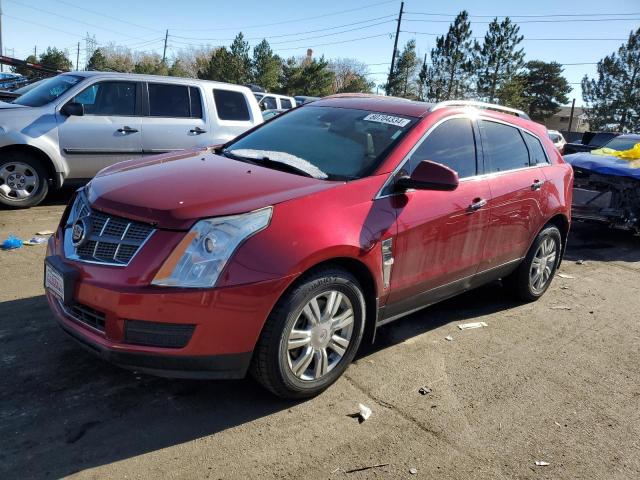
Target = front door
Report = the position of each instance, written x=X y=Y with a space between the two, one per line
x=109 y=131
x=517 y=182
x=440 y=234
x=175 y=120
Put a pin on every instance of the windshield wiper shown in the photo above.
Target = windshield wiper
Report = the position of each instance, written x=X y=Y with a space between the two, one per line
x=288 y=163
x=282 y=166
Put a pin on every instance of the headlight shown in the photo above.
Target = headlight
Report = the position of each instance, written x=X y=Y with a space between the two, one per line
x=203 y=253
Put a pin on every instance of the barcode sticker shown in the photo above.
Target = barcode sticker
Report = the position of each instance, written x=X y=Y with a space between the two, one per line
x=390 y=119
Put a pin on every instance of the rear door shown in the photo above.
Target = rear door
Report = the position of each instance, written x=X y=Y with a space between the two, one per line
x=441 y=234
x=517 y=184
x=109 y=131
x=233 y=115
x=175 y=118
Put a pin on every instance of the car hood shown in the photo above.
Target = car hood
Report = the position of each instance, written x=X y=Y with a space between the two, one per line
x=605 y=165
x=173 y=191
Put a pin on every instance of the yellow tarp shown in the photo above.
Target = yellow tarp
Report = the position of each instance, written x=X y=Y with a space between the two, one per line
x=631 y=154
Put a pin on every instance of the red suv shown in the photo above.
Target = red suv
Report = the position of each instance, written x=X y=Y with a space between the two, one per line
x=280 y=251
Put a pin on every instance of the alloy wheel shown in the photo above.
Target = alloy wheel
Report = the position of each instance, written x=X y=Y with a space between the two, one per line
x=542 y=265
x=320 y=336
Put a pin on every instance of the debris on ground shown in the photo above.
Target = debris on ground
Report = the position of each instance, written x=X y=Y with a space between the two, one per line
x=11 y=243
x=363 y=414
x=413 y=470
x=468 y=326
x=45 y=232
x=542 y=463
x=449 y=338
x=424 y=390
x=368 y=467
x=560 y=307
x=557 y=424
x=579 y=262
x=565 y=275
x=35 y=241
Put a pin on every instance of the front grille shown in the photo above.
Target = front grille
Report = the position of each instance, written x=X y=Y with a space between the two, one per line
x=155 y=334
x=110 y=239
x=87 y=315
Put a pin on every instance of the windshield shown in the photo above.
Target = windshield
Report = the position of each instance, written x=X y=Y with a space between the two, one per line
x=621 y=143
x=48 y=90
x=324 y=142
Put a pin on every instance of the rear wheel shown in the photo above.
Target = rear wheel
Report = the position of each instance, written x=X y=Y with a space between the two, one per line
x=534 y=275
x=311 y=336
x=23 y=180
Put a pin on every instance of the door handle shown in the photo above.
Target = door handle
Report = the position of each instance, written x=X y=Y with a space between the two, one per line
x=127 y=129
x=197 y=130
x=477 y=204
x=537 y=184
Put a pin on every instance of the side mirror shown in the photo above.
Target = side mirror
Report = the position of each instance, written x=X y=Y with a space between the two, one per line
x=430 y=175
x=73 y=108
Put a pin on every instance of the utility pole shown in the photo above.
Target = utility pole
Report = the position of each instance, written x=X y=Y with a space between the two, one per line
x=164 y=52
x=1 y=49
x=35 y=52
x=78 y=57
x=573 y=105
x=395 y=42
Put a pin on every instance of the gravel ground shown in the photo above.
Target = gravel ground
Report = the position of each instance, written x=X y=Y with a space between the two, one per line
x=555 y=381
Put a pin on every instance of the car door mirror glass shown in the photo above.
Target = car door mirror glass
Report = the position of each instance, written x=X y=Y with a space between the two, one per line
x=73 y=108
x=429 y=175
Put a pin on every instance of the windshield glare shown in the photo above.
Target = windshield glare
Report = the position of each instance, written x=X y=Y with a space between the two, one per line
x=48 y=90
x=328 y=142
x=621 y=144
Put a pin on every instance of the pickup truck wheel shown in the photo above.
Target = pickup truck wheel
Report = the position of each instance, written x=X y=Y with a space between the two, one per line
x=23 y=180
x=311 y=336
x=534 y=275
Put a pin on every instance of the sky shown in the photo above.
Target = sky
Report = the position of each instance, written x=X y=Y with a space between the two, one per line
x=578 y=32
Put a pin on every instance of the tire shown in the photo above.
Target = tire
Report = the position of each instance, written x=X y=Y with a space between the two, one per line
x=20 y=169
x=274 y=363
x=523 y=282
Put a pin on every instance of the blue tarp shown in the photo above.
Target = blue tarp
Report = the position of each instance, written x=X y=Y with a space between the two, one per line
x=604 y=165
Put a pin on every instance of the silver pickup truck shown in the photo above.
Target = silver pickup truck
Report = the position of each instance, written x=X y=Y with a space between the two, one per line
x=71 y=126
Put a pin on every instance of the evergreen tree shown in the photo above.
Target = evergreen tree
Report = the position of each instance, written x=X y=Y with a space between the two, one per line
x=308 y=77
x=150 y=64
x=613 y=98
x=545 y=89
x=239 y=62
x=218 y=67
x=512 y=92
x=402 y=80
x=498 y=58
x=55 y=58
x=266 y=66
x=25 y=71
x=452 y=62
x=178 y=69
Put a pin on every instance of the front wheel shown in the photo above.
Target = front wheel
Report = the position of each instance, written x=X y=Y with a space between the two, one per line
x=23 y=180
x=311 y=336
x=534 y=275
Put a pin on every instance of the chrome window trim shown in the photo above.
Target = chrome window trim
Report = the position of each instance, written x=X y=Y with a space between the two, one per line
x=474 y=118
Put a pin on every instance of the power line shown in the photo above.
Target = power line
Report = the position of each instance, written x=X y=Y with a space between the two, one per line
x=547 y=15
x=286 y=21
x=390 y=35
x=108 y=16
x=541 y=21
x=526 y=39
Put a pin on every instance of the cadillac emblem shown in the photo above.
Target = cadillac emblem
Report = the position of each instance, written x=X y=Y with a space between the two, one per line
x=79 y=231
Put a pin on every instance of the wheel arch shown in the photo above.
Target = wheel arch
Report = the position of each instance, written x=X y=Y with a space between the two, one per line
x=46 y=160
x=562 y=223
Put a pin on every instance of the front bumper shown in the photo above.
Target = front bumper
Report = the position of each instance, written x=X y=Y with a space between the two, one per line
x=223 y=324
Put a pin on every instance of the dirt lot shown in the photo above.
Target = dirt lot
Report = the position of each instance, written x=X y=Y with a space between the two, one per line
x=541 y=382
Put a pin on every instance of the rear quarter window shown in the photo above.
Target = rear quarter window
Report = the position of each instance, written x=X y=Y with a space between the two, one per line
x=537 y=154
x=231 y=105
x=285 y=103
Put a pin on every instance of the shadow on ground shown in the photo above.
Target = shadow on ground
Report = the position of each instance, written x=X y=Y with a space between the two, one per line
x=63 y=410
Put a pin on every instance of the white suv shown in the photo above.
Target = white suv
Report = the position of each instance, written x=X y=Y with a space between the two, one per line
x=273 y=101
x=73 y=125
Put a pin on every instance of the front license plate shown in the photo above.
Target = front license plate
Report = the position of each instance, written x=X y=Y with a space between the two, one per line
x=54 y=281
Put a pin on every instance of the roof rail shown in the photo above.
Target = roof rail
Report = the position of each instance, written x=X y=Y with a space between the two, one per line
x=483 y=105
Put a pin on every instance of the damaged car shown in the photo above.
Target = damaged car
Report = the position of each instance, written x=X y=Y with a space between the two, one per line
x=607 y=184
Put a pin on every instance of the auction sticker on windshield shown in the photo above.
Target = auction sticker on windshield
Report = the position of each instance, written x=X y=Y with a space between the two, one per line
x=390 y=119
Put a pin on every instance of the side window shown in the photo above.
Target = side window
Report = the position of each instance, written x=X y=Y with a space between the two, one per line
x=536 y=150
x=169 y=101
x=452 y=143
x=196 y=102
x=285 y=103
x=269 y=103
x=504 y=147
x=109 y=98
x=231 y=105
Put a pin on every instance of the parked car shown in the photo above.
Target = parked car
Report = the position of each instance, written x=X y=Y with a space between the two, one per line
x=267 y=114
x=558 y=140
x=302 y=99
x=590 y=141
x=281 y=251
x=71 y=126
x=607 y=188
x=273 y=101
